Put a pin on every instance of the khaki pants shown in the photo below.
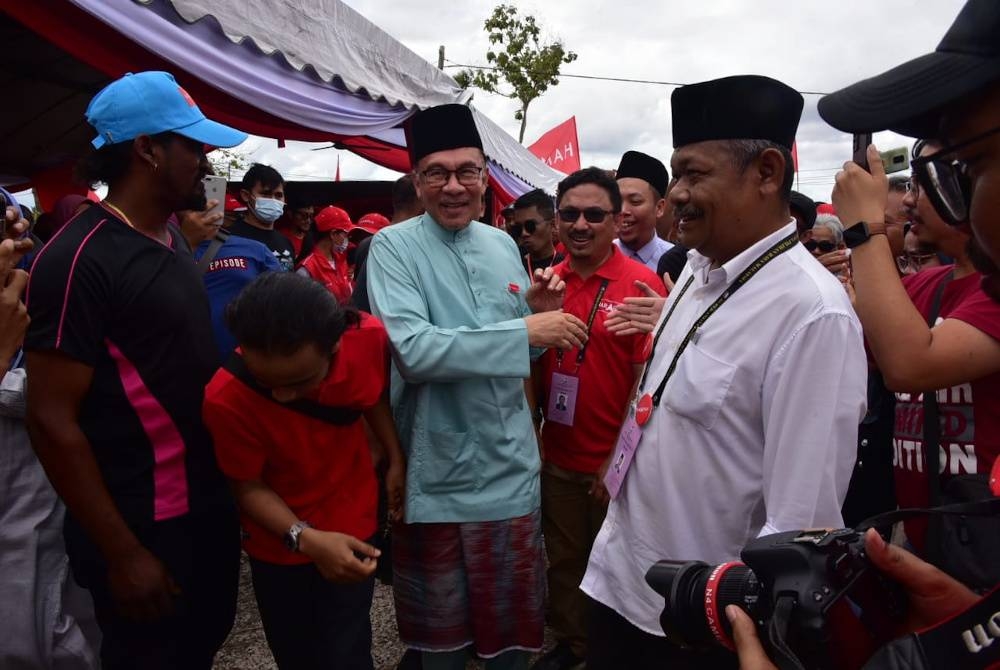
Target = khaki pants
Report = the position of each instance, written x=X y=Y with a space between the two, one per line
x=571 y=519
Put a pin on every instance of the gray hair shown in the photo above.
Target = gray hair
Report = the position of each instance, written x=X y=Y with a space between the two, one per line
x=833 y=224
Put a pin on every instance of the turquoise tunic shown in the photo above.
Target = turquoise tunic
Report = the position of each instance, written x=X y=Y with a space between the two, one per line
x=453 y=303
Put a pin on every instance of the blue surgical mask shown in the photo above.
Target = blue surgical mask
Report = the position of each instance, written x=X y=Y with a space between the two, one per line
x=340 y=248
x=268 y=210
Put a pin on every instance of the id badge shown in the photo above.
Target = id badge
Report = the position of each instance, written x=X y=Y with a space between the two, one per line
x=628 y=442
x=562 y=398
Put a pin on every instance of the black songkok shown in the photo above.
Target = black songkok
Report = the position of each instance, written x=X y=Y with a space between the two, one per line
x=640 y=166
x=745 y=107
x=440 y=129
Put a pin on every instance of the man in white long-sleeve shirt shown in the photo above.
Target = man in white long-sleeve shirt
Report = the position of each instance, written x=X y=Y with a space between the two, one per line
x=749 y=408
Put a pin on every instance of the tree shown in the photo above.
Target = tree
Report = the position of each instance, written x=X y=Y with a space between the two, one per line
x=226 y=161
x=524 y=64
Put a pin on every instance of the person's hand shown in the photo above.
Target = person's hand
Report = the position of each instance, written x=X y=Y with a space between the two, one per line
x=636 y=314
x=848 y=283
x=395 y=488
x=748 y=646
x=668 y=283
x=335 y=555
x=597 y=487
x=860 y=196
x=141 y=586
x=555 y=329
x=15 y=229
x=835 y=261
x=933 y=595
x=546 y=292
x=13 y=313
x=200 y=226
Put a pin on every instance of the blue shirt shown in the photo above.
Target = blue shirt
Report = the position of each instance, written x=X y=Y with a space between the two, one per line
x=453 y=304
x=238 y=262
x=649 y=253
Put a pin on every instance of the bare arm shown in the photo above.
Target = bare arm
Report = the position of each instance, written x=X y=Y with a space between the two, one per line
x=597 y=489
x=911 y=355
x=56 y=388
x=333 y=553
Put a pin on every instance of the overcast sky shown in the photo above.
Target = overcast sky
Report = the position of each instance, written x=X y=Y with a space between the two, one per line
x=811 y=45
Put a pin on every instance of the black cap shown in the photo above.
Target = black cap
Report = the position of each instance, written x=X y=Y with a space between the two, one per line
x=805 y=206
x=745 y=107
x=642 y=166
x=440 y=129
x=910 y=98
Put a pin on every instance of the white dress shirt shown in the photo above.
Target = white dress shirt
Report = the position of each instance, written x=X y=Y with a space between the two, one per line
x=756 y=431
x=649 y=253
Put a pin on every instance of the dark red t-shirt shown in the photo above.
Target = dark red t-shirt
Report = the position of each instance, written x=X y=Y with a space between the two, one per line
x=970 y=412
x=606 y=376
x=323 y=472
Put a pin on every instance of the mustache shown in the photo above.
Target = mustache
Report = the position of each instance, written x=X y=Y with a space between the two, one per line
x=687 y=213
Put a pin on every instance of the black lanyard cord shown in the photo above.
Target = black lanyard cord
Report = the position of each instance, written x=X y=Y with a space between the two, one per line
x=748 y=274
x=590 y=324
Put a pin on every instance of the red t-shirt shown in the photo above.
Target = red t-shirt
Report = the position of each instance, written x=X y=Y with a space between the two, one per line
x=323 y=472
x=970 y=412
x=606 y=376
x=296 y=241
x=332 y=276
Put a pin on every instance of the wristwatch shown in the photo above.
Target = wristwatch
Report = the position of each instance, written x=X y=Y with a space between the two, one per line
x=293 y=533
x=860 y=233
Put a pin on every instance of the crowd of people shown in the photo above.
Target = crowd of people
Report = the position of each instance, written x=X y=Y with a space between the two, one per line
x=511 y=425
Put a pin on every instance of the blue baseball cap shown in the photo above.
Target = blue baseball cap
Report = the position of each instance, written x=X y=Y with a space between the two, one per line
x=148 y=103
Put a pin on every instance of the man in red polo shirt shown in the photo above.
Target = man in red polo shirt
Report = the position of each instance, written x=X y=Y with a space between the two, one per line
x=584 y=393
x=286 y=417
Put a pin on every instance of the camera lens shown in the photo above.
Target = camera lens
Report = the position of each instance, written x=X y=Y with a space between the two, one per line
x=696 y=597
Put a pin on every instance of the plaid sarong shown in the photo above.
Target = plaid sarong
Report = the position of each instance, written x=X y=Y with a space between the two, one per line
x=477 y=583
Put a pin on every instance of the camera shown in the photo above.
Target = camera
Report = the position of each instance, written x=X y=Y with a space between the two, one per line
x=804 y=589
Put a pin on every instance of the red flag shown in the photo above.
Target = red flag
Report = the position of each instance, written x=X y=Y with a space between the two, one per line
x=337 y=176
x=559 y=148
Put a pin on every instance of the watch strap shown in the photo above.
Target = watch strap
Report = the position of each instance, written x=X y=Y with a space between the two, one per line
x=293 y=533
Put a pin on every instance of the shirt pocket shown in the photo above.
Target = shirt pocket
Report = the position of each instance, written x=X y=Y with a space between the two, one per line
x=450 y=462
x=700 y=386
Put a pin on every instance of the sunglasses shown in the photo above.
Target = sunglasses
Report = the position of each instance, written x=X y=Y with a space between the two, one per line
x=946 y=180
x=529 y=226
x=590 y=214
x=822 y=245
x=908 y=263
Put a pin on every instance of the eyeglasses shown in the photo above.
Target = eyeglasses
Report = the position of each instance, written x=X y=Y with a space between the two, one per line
x=590 y=214
x=467 y=175
x=530 y=226
x=910 y=263
x=946 y=180
x=822 y=245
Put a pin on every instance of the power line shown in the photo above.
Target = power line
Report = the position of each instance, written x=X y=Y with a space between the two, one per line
x=627 y=80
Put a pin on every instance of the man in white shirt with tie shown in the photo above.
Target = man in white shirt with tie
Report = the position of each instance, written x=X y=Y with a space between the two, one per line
x=749 y=408
x=642 y=181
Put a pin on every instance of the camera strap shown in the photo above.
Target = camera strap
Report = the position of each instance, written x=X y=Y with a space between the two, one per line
x=989 y=507
x=777 y=629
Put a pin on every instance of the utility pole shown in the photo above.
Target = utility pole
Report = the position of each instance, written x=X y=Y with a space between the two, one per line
x=441 y=57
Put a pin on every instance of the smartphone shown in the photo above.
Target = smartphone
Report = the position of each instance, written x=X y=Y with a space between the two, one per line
x=215 y=189
x=896 y=160
x=861 y=142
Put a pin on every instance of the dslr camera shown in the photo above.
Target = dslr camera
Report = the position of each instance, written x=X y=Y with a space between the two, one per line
x=811 y=593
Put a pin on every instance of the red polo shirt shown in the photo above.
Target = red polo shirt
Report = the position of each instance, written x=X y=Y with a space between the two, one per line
x=606 y=375
x=322 y=471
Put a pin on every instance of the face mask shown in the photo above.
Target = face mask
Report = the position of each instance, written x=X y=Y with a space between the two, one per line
x=340 y=248
x=268 y=209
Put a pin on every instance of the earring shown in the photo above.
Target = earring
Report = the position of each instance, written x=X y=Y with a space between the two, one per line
x=155 y=166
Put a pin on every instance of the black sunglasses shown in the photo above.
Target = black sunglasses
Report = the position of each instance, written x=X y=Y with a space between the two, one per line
x=529 y=226
x=590 y=214
x=946 y=180
x=822 y=245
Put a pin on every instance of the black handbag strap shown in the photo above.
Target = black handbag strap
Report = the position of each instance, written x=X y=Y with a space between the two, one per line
x=213 y=248
x=338 y=416
x=979 y=508
x=932 y=417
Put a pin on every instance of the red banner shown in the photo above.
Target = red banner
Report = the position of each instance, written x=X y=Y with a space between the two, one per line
x=559 y=148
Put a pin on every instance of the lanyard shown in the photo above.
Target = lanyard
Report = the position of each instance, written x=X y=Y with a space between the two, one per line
x=590 y=323
x=755 y=267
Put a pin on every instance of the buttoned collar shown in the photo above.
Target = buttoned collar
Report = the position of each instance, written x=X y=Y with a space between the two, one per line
x=445 y=234
x=646 y=252
x=701 y=266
